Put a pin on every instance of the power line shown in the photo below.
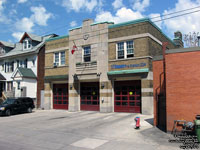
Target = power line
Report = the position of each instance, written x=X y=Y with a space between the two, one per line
x=132 y=27
x=175 y=12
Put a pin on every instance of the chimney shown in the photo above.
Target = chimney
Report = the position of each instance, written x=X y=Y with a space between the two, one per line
x=178 y=39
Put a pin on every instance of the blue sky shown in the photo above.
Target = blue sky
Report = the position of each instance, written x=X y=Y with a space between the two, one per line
x=58 y=16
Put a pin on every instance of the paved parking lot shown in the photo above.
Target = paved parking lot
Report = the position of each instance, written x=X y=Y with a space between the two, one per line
x=62 y=130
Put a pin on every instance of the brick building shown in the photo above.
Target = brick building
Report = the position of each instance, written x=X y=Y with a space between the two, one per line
x=110 y=71
x=182 y=87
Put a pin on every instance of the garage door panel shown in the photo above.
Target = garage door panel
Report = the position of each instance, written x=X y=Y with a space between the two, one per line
x=90 y=96
x=128 y=96
x=60 y=96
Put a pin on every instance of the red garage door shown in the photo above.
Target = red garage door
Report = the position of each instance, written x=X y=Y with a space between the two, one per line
x=128 y=96
x=60 y=96
x=90 y=96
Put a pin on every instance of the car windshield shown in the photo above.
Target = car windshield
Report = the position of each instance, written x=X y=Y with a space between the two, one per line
x=9 y=101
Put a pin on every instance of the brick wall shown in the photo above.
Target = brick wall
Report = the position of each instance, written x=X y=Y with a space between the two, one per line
x=40 y=74
x=182 y=86
x=54 y=44
x=157 y=85
x=183 y=80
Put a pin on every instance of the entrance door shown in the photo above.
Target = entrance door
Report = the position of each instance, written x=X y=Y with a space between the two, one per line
x=90 y=96
x=60 y=96
x=128 y=96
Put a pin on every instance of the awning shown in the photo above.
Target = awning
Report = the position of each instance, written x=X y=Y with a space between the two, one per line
x=120 y=72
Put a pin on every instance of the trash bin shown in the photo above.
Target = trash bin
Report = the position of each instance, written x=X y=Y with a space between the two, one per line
x=197 y=127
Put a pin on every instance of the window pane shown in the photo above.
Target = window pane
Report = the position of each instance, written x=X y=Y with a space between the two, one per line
x=62 y=58
x=129 y=47
x=87 y=54
x=56 y=55
x=120 y=49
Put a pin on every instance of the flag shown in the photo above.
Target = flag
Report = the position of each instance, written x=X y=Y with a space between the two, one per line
x=73 y=49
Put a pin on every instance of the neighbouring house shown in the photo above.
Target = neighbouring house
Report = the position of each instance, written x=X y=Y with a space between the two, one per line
x=22 y=66
x=110 y=69
x=176 y=97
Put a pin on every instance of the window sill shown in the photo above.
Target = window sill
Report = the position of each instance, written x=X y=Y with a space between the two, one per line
x=91 y=63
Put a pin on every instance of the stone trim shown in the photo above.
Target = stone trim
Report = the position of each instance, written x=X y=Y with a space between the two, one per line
x=57 y=50
x=105 y=94
x=135 y=37
x=147 y=94
x=47 y=94
x=147 y=90
x=73 y=95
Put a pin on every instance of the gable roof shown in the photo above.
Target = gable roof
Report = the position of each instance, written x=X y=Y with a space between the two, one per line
x=31 y=36
x=24 y=72
x=18 y=48
x=7 y=44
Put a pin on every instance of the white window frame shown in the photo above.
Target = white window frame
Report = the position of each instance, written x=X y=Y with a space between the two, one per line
x=83 y=53
x=125 y=49
x=59 y=58
x=27 y=42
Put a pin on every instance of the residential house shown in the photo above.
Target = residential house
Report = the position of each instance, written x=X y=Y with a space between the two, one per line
x=22 y=66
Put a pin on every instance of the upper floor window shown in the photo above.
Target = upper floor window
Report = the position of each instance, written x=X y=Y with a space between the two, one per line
x=9 y=66
x=2 y=50
x=125 y=49
x=27 y=44
x=87 y=54
x=62 y=55
x=59 y=58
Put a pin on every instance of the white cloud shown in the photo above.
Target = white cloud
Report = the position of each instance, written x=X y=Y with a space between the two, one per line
x=22 y=1
x=2 y=16
x=141 y=5
x=17 y=35
x=117 y=4
x=156 y=17
x=121 y=15
x=73 y=24
x=186 y=23
x=25 y=25
x=77 y=5
x=1 y=4
x=40 y=15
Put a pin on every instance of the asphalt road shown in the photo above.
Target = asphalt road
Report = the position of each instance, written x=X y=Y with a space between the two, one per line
x=62 y=130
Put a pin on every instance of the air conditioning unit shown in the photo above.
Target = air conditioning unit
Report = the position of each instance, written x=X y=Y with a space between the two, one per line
x=55 y=64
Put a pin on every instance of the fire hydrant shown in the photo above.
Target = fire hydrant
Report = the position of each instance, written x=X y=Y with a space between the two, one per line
x=137 y=124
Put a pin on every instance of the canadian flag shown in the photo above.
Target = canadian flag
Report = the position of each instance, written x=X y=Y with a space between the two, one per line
x=73 y=49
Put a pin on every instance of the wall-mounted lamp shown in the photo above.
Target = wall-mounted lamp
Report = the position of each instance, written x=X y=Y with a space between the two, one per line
x=70 y=87
x=98 y=74
x=102 y=85
x=75 y=77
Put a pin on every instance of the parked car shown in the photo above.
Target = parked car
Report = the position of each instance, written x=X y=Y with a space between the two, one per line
x=16 y=105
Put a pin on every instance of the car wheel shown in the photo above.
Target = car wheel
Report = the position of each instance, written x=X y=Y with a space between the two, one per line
x=8 y=112
x=29 y=110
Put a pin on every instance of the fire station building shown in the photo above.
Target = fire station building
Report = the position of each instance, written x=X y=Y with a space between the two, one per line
x=110 y=70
